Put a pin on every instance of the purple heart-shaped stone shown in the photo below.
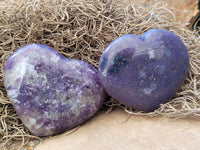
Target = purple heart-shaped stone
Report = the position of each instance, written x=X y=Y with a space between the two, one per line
x=49 y=92
x=144 y=71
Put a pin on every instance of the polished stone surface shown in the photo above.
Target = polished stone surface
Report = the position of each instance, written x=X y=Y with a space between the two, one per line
x=144 y=71
x=49 y=92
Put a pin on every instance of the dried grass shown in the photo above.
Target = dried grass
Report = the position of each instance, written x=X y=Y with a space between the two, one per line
x=82 y=29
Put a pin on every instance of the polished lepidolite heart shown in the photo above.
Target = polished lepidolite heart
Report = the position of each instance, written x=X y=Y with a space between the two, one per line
x=49 y=92
x=144 y=71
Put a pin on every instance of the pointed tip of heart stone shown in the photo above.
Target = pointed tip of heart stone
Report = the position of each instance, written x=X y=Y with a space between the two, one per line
x=49 y=92
x=144 y=71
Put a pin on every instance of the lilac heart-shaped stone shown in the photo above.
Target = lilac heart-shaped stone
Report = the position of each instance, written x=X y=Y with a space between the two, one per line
x=144 y=71
x=49 y=92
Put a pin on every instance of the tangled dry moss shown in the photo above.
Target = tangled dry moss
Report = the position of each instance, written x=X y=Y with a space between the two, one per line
x=82 y=29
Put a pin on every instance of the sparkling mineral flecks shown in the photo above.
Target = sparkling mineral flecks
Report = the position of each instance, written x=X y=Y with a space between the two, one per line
x=49 y=92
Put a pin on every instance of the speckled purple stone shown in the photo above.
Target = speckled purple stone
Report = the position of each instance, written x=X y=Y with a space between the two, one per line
x=49 y=92
x=144 y=71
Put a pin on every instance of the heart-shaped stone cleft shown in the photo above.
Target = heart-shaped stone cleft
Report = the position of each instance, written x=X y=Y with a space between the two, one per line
x=144 y=71
x=50 y=92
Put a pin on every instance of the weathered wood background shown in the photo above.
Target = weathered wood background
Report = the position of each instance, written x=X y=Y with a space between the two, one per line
x=184 y=10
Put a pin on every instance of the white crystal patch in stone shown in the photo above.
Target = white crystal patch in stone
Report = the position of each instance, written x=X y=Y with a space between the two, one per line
x=150 y=89
x=151 y=53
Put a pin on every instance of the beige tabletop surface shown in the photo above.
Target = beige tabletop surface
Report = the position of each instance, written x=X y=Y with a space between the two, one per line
x=120 y=131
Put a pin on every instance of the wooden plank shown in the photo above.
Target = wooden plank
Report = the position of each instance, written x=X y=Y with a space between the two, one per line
x=184 y=10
